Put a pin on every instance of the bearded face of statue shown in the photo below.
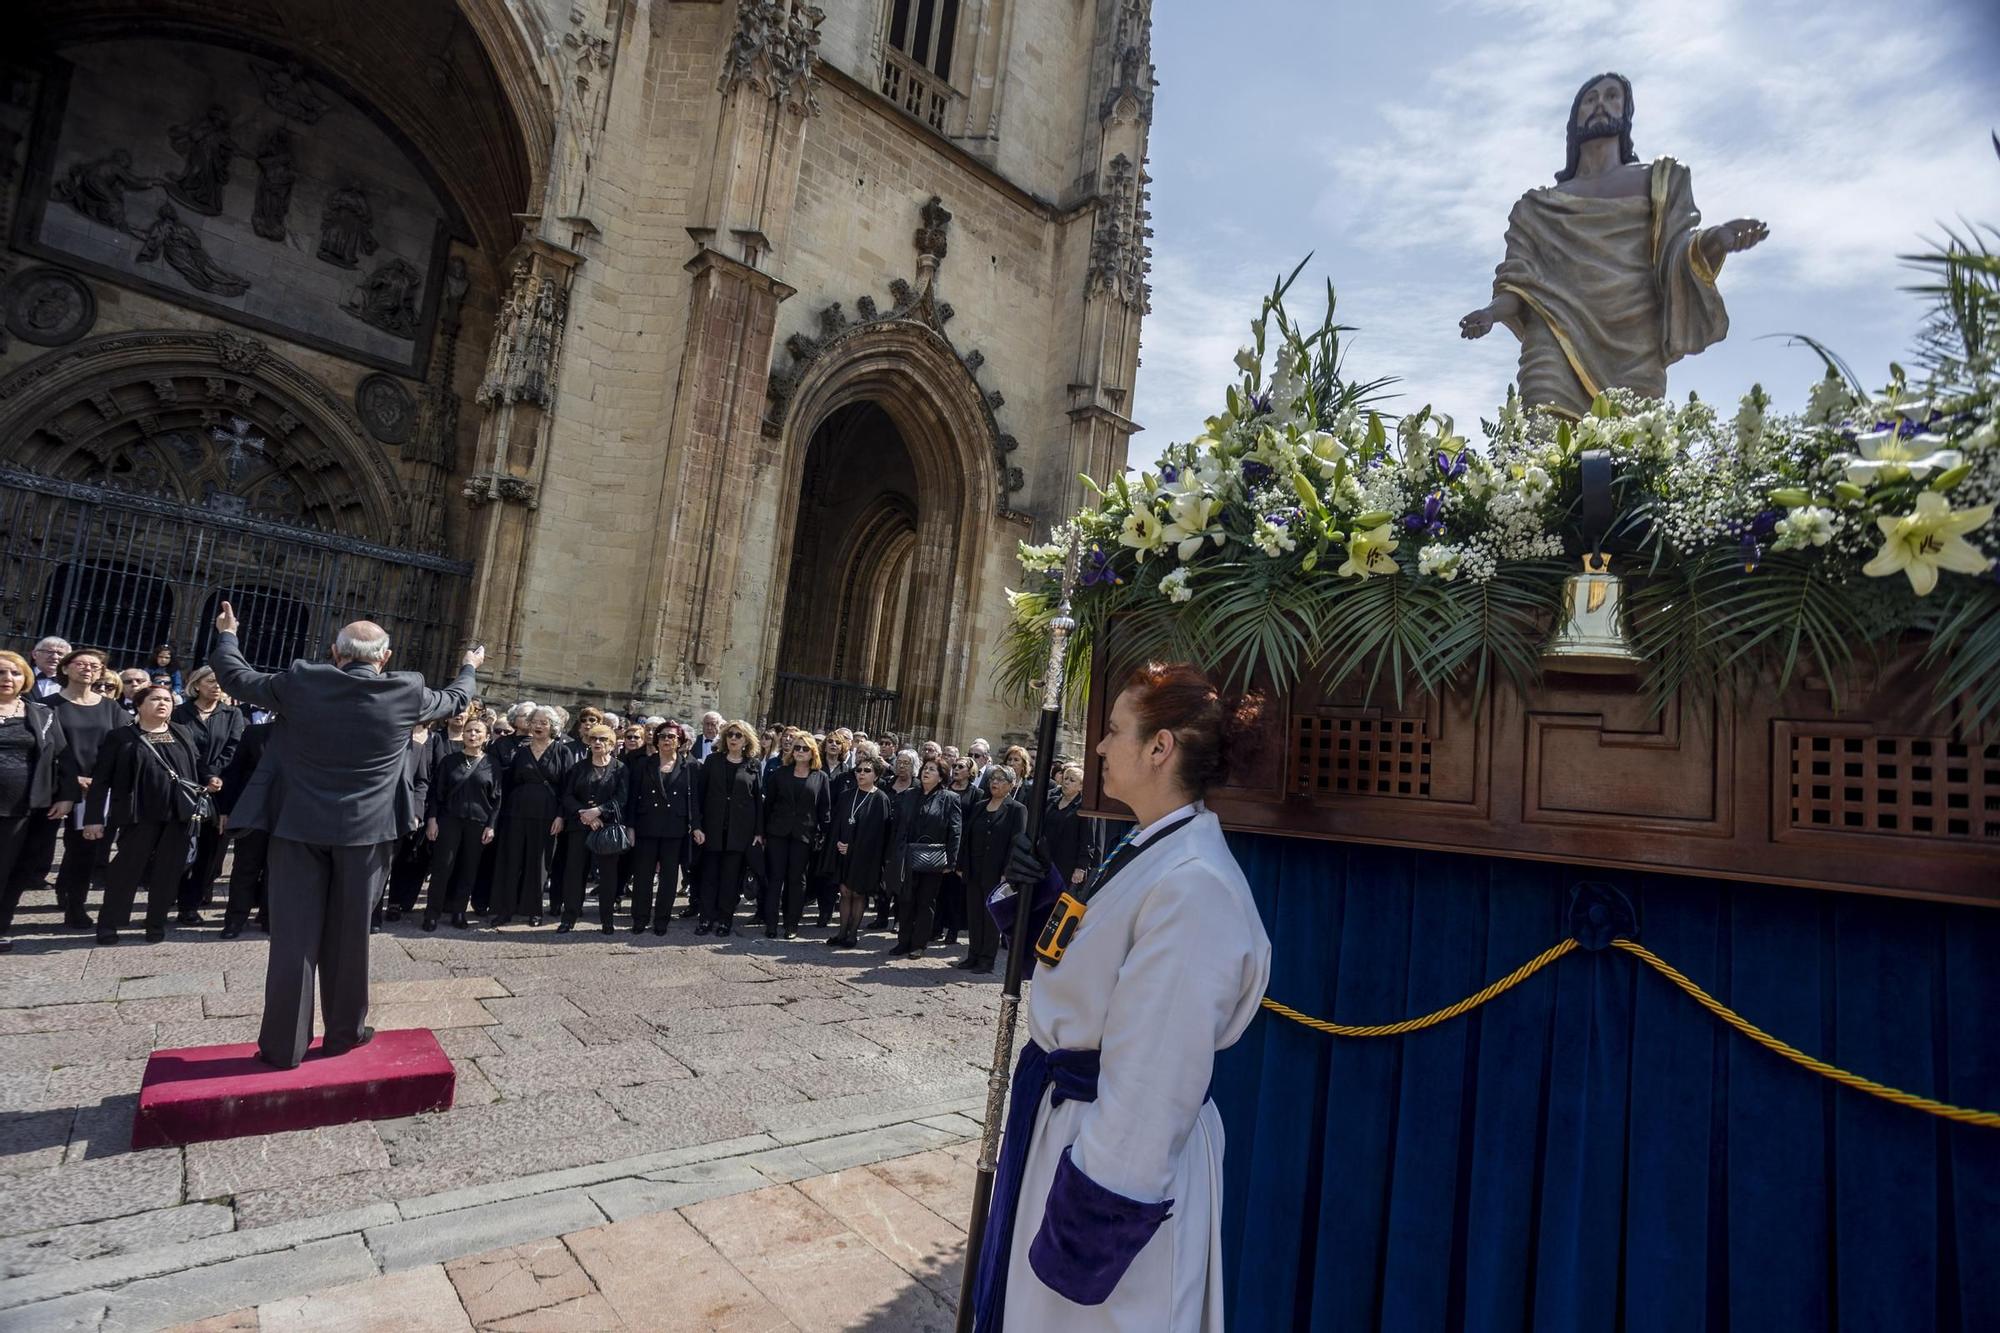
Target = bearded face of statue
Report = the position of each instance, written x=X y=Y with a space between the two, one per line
x=1601 y=110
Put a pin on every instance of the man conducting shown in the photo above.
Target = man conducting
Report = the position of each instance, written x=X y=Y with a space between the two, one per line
x=327 y=794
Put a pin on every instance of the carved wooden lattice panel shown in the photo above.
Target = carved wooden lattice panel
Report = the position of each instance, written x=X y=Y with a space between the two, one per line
x=1922 y=786
x=1362 y=756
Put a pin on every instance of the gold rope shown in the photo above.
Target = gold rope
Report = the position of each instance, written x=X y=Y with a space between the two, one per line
x=1961 y=1114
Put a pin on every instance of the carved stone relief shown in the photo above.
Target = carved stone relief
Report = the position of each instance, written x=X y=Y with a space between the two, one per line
x=385 y=408
x=1120 y=257
x=276 y=175
x=49 y=307
x=346 y=227
x=97 y=188
x=526 y=340
x=388 y=299
x=934 y=234
x=207 y=151
x=180 y=245
x=774 y=47
x=487 y=487
x=289 y=92
x=1131 y=92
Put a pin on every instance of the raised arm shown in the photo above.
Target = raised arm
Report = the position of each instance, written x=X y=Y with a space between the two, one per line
x=452 y=699
x=237 y=676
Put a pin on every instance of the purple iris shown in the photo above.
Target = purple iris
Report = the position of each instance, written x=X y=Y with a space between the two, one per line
x=1429 y=520
x=1256 y=473
x=1451 y=466
x=1752 y=535
x=1278 y=519
x=1260 y=404
x=1097 y=568
x=1169 y=474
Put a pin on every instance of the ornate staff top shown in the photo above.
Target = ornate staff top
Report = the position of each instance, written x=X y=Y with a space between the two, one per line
x=1059 y=629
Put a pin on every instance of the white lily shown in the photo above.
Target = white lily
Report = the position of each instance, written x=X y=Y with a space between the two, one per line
x=1930 y=538
x=1142 y=532
x=1887 y=455
x=1370 y=553
x=1192 y=520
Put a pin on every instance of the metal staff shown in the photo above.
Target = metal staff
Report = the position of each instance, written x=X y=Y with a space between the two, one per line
x=1022 y=944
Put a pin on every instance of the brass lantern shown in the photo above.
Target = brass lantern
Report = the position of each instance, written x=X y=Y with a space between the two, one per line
x=1592 y=636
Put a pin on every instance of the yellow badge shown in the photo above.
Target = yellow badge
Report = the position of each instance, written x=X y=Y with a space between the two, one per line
x=1064 y=918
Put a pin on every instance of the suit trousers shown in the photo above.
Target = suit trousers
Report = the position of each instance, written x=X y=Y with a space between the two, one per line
x=982 y=936
x=16 y=832
x=577 y=860
x=247 y=874
x=454 y=864
x=38 y=850
x=83 y=861
x=407 y=868
x=320 y=901
x=721 y=886
x=661 y=855
x=951 y=903
x=916 y=910
x=521 y=867
x=151 y=854
x=198 y=884
x=787 y=862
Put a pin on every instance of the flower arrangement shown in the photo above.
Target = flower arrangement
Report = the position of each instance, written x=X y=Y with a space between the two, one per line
x=1306 y=530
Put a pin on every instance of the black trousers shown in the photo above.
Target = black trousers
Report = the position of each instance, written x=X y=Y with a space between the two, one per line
x=83 y=863
x=154 y=855
x=247 y=875
x=38 y=851
x=951 y=903
x=17 y=844
x=198 y=883
x=916 y=910
x=648 y=857
x=407 y=868
x=787 y=861
x=319 y=934
x=576 y=863
x=982 y=936
x=521 y=867
x=721 y=886
x=455 y=858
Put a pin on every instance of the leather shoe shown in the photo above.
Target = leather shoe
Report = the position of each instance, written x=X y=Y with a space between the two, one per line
x=430 y=921
x=660 y=926
x=565 y=927
x=689 y=911
x=702 y=929
x=791 y=934
x=155 y=934
x=535 y=920
x=261 y=1058
x=188 y=918
x=725 y=929
x=392 y=914
x=107 y=935
x=78 y=920
x=639 y=928
x=459 y=921
x=342 y=1048
x=231 y=929
x=608 y=928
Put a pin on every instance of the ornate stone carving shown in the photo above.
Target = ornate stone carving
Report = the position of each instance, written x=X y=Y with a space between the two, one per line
x=385 y=408
x=933 y=234
x=207 y=151
x=237 y=352
x=388 y=299
x=275 y=177
x=346 y=227
x=1120 y=257
x=49 y=307
x=775 y=46
x=97 y=188
x=1130 y=95
x=180 y=245
x=238 y=448
x=527 y=340
x=289 y=92
x=452 y=299
x=487 y=487
x=912 y=307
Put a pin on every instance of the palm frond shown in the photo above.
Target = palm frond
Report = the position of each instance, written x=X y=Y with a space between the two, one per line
x=1501 y=622
x=1381 y=630
x=1965 y=651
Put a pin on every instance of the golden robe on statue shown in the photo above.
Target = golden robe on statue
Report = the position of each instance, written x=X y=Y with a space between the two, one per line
x=1616 y=290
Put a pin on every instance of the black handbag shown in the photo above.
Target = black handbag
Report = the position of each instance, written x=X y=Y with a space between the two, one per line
x=190 y=800
x=925 y=858
x=609 y=840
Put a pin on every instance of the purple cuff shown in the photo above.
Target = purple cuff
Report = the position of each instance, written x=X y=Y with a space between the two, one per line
x=1090 y=1235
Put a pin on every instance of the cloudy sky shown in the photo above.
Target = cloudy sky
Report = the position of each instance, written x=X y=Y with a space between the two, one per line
x=1392 y=139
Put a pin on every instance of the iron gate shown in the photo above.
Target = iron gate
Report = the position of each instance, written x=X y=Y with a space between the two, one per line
x=819 y=704
x=126 y=573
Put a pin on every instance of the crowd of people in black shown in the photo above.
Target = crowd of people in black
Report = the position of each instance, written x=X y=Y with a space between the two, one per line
x=520 y=817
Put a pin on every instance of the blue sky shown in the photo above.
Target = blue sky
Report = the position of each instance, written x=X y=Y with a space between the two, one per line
x=1392 y=139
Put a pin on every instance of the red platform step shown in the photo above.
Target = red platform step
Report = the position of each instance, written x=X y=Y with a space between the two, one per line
x=224 y=1092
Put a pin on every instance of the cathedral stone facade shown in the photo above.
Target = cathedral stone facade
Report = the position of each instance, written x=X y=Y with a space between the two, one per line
x=688 y=353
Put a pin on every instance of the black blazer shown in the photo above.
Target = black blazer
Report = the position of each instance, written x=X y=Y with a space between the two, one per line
x=663 y=805
x=1069 y=839
x=989 y=834
x=465 y=788
x=216 y=738
x=249 y=753
x=797 y=807
x=46 y=784
x=731 y=803
x=937 y=818
x=129 y=786
x=532 y=788
x=862 y=821
x=589 y=785
x=340 y=748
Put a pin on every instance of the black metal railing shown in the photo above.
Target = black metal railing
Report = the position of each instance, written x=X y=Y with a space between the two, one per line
x=127 y=573
x=820 y=704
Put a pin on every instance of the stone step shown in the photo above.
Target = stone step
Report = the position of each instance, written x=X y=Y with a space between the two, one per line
x=199 y=1093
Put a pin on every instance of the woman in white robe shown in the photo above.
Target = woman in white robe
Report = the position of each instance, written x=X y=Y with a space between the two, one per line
x=1118 y=1224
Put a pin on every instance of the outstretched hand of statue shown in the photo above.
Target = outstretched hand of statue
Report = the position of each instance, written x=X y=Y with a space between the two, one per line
x=225 y=620
x=1727 y=238
x=1477 y=324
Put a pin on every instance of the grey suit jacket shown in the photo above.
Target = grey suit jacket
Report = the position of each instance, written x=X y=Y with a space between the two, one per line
x=333 y=772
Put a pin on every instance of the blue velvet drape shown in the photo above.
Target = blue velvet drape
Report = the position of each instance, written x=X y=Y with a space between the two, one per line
x=1592 y=1151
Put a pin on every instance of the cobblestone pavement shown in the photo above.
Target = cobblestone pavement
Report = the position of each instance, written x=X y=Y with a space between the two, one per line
x=599 y=1078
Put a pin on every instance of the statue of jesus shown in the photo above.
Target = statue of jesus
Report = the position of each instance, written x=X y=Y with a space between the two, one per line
x=1609 y=276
